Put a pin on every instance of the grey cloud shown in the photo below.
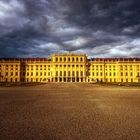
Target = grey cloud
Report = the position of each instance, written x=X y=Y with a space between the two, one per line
x=40 y=27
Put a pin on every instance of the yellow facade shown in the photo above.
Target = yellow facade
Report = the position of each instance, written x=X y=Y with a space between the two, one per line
x=70 y=68
x=9 y=70
x=115 y=70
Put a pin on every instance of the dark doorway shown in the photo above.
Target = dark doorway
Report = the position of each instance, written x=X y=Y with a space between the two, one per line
x=77 y=80
x=69 y=79
x=64 y=79
x=73 y=79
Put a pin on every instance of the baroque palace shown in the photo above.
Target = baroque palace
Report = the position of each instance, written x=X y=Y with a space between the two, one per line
x=70 y=68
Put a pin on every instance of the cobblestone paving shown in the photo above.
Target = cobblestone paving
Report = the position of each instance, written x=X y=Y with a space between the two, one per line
x=69 y=112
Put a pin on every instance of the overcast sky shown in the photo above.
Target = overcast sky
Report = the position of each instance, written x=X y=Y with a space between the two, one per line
x=99 y=28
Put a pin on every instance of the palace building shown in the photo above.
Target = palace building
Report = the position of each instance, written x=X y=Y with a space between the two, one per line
x=70 y=68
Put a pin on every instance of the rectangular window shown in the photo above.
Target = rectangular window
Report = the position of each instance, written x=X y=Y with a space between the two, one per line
x=64 y=73
x=56 y=73
x=60 y=73
x=77 y=73
x=81 y=73
x=68 y=73
x=73 y=73
x=23 y=67
x=16 y=80
x=31 y=67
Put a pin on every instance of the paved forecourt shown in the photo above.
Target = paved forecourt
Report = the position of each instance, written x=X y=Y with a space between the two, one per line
x=69 y=112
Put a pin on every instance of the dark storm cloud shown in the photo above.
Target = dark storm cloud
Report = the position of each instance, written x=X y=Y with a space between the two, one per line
x=100 y=28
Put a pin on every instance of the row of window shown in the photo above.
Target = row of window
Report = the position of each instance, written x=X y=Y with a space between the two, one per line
x=73 y=73
x=27 y=66
x=11 y=74
x=12 y=80
x=112 y=69
x=114 y=74
x=121 y=80
x=11 y=69
x=69 y=65
x=67 y=80
x=33 y=69
x=10 y=66
x=114 y=80
x=69 y=59
x=37 y=74
x=122 y=66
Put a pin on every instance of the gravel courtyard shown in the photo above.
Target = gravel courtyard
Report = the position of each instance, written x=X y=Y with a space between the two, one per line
x=70 y=112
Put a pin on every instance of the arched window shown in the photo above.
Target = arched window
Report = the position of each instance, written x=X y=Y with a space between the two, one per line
x=56 y=59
